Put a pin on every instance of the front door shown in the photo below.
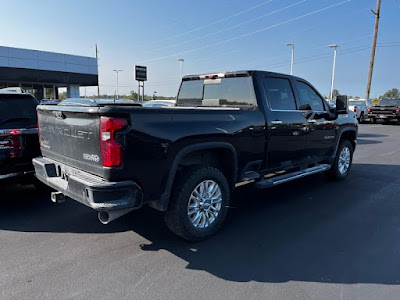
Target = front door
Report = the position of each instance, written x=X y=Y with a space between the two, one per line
x=287 y=127
x=322 y=133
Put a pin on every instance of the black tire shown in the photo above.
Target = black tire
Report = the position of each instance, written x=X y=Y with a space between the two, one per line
x=373 y=120
x=177 y=218
x=386 y=122
x=361 y=119
x=335 y=172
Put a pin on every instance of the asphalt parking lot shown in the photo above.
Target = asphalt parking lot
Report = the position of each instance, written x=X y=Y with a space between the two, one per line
x=308 y=239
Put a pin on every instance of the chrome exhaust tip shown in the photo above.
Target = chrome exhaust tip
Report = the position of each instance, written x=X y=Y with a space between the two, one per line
x=107 y=216
x=57 y=197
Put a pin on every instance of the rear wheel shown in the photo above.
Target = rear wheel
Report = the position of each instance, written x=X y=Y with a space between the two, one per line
x=361 y=119
x=199 y=203
x=343 y=161
x=373 y=120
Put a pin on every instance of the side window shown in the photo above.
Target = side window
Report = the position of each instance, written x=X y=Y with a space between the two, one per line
x=279 y=93
x=309 y=96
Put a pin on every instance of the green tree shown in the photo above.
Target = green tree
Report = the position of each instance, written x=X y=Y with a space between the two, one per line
x=335 y=93
x=62 y=96
x=393 y=93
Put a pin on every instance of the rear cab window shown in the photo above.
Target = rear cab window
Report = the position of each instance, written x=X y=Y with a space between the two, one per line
x=357 y=102
x=17 y=111
x=390 y=102
x=219 y=92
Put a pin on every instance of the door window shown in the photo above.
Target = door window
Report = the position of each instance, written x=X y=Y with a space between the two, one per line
x=309 y=96
x=279 y=93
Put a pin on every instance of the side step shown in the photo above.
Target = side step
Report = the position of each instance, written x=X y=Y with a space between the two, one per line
x=266 y=183
x=251 y=175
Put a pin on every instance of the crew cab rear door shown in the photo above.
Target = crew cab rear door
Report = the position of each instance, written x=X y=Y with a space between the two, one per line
x=321 y=131
x=287 y=127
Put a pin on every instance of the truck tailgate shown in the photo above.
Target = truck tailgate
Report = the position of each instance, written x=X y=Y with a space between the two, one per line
x=70 y=135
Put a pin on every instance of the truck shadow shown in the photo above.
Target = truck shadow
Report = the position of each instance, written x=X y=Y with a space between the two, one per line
x=370 y=135
x=311 y=230
x=368 y=142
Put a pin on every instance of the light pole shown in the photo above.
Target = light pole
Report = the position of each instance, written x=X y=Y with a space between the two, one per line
x=334 y=46
x=292 y=61
x=181 y=60
x=117 y=71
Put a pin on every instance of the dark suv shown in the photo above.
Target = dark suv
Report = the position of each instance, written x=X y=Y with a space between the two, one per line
x=19 y=141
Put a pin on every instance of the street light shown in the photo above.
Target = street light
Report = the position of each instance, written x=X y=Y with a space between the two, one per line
x=291 y=64
x=334 y=46
x=117 y=71
x=181 y=60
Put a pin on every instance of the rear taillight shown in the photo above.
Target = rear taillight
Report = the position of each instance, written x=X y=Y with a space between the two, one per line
x=13 y=141
x=369 y=110
x=397 y=110
x=355 y=108
x=111 y=151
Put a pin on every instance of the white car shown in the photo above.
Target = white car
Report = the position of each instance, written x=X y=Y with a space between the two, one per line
x=159 y=103
x=360 y=107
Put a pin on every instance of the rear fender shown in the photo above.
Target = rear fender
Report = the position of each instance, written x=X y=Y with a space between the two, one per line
x=162 y=203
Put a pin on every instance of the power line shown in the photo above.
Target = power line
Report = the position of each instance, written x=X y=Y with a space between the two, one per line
x=210 y=24
x=250 y=33
x=285 y=56
x=229 y=28
x=295 y=33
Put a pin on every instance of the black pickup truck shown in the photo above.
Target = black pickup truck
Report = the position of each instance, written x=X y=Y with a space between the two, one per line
x=387 y=110
x=19 y=141
x=226 y=129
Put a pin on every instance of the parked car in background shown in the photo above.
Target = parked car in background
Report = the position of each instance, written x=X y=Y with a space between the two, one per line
x=159 y=103
x=15 y=89
x=49 y=102
x=388 y=109
x=360 y=107
x=19 y=142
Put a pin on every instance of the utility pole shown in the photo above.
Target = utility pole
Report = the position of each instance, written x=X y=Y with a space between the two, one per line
x=181 y=60
x=292 y=60
x=98 y=84
x=333 y=69
x=117 y=71
x=371 y=64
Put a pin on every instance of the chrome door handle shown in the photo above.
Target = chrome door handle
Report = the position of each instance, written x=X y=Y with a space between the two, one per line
x=312 y=121
x=276 y=122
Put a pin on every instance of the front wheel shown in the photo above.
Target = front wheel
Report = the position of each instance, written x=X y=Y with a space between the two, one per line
x=343 y=161
x=199 y=203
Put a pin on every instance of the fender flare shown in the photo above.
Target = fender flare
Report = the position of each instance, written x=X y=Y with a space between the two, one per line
x=340 y=134
x=162 y=203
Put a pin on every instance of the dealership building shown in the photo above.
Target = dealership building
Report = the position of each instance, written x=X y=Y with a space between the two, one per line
x=41 y=73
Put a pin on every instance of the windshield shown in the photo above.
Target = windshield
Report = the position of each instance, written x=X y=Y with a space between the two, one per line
x=390 y=102
x=17 y=110
x=357 y=103
x=235 y=91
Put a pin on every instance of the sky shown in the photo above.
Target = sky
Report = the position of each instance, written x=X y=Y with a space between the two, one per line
x=213 y=36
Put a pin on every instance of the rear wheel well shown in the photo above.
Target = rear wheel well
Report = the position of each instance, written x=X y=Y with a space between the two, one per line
x=220 y=158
